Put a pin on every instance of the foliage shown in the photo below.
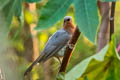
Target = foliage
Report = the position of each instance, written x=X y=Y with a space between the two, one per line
x=8 y=9
x=60 y=76
x=32 y=1
x=12 y=8
x=109 y=0
x=53 y=11
x=87 y=17
x=106 y=64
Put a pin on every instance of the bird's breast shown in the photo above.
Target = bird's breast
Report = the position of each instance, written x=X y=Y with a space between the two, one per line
x=61 y=52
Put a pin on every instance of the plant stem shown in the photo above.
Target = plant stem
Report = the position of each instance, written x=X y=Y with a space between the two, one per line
x=68 y=51
x=103 y=34
x=112 y=19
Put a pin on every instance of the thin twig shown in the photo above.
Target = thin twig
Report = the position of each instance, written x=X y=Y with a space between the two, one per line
x=68 y=51
x=112 y=19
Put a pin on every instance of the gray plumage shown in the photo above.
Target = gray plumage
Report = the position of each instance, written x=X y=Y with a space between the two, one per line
x=55 y=43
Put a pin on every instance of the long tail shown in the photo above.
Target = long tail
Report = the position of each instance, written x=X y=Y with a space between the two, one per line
x=39 y=59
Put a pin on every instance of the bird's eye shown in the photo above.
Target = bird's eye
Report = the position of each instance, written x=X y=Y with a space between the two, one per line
x=68 y=19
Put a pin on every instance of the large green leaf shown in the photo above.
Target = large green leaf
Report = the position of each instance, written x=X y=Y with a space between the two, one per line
x=86 y=17
x=32 y=1
x=109 y=0
x=3 y=3
x=101 y=66
x=52 y=12
x=79 y=69
x=9 y=9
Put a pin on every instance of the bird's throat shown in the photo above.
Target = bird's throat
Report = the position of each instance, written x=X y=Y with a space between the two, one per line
x=69 y=28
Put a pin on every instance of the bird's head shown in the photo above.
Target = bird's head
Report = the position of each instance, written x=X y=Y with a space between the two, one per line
x=67 y=20
x=68 y=24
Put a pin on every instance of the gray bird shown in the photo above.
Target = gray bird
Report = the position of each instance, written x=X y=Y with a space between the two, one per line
x=56 y=43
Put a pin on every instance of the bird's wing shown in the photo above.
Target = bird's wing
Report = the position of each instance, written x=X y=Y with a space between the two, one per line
x=55 y=43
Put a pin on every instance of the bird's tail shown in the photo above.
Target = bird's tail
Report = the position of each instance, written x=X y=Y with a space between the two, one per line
x=39 y=59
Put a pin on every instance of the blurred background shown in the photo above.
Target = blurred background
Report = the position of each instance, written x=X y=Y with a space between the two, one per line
x=23 y=45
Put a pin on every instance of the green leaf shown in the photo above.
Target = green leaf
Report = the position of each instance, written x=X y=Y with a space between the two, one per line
x=18 y=9
x=109 y=0
x=8 y=11
x=3 y=3
x=32 y=1
x=52 y=12
x=79 y=69
x=117 y=70
x=86 y=17
x=9 y=8
x=104 y=65
x=60 y=76
x=111 y=73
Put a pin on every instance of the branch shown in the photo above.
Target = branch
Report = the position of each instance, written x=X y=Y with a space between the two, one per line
x=112 y=19
x=68 y=51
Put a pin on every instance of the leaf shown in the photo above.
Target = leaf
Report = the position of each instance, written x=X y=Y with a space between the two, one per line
x=18 y=8
x=60 y=76
x=117 y=70
x=79 y=69
x=52 y=12
x=3 y=3
x=86 y=17
x=101 y=66
x=32 y=1
x=108 y=0
x=111 y=75
x=8 y=10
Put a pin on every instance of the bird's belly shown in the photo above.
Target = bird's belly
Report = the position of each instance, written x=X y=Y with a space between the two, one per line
x=61 y=52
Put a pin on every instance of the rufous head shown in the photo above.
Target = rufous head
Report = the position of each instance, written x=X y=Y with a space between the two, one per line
x=68 y=24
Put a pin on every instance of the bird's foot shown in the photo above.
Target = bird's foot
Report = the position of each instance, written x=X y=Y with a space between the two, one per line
x=71 y=46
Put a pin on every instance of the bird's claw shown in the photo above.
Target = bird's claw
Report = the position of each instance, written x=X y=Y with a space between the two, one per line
x=71 y=46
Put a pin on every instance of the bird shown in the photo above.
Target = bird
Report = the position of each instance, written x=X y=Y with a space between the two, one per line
x=56 y=43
